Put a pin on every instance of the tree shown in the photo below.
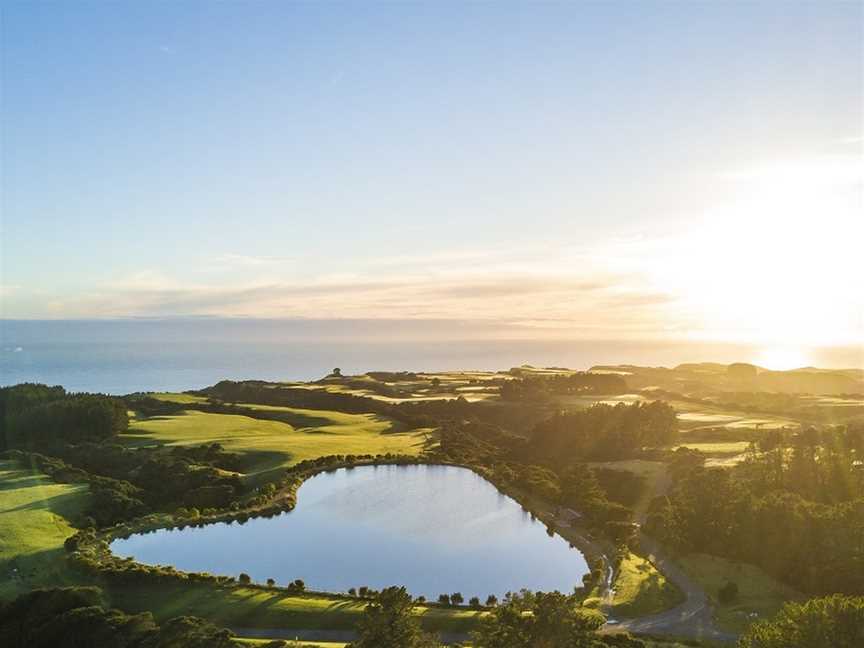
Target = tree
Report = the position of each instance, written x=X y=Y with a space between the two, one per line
x=75 y=616
x=491 y=600
x=244 y=578
x=444 y=599
x=728 y=593
x=271 y=582
x=474 y=602
x=539 y=620
x=297 y=585
x=836 y=621
x=388 y=622
x=456 y=598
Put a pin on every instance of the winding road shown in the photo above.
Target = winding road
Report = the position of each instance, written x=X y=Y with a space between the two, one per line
x=694 y=618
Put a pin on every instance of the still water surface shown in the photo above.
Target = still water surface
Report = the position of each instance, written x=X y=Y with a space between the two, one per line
x=434 y=529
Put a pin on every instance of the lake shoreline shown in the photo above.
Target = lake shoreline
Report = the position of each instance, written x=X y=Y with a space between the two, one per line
x=285 y=500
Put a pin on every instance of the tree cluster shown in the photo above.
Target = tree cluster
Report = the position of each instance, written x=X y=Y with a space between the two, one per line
x=77 y=616
x=836 y=621
x=388 y=622
x=795 y=510
x=37 y=416
x=604 y=432
x=539 y=388
x=545 y=620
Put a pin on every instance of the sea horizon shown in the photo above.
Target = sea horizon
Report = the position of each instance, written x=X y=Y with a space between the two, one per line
x=131 y=355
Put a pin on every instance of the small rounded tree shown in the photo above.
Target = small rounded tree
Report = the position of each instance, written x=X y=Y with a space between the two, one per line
x=728 y=593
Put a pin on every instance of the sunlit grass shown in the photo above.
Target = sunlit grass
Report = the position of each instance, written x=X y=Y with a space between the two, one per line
x=34 y=522
x=270 y=444
x=730 y=448
x=640 y=589
x=174 y=397
x=241 y=607
x=758 y=593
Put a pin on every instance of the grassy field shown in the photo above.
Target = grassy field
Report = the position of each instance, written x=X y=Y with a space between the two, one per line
x=640 y=589
x=176 y=397
x=728 y=448
x=758 y=593
x=256 y=608
x=304 y=644
x=472 y=386
x=34 y=522
x=270 y=444
x=693 y=416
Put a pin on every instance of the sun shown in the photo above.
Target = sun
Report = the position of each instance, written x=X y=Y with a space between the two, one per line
x=777 y=263
x=782 y=358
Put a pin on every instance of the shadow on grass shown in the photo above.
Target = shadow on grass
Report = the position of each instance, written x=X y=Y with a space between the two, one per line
x=63 y=504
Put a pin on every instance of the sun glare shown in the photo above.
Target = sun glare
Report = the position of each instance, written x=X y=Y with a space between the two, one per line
x=782 y=358
x=772 y=265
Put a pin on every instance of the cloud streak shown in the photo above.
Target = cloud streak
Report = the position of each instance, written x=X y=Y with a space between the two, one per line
x=533 y=304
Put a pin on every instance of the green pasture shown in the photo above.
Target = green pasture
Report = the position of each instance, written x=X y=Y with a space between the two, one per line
x=302 y=644
x=239 y=607
x=269 y=444
x=34 y=522
x=759 y=595
x=729 y=448
x=640 y=589
x=174 y=397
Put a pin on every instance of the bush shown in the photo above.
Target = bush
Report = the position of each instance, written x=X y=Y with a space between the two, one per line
x=836 y=621
x=728 y=593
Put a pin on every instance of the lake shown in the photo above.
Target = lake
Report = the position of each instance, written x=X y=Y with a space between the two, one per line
x=433 y=529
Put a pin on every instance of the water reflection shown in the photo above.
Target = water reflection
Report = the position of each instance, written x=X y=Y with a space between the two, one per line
x=434 y=529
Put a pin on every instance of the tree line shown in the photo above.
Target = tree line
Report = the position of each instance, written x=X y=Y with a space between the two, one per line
x=37 y=415
x=541 y=388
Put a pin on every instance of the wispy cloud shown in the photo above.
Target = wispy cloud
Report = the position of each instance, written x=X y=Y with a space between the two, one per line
x=735 y=272
x=232 y=259
x=524 y=305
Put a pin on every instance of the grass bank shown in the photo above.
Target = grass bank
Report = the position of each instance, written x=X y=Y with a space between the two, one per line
x=639 y=589
x=252 y=607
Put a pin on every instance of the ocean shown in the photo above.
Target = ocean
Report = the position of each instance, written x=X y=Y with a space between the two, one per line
x=125 y=356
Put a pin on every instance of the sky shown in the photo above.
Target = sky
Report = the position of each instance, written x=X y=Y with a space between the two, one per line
x=612 y=170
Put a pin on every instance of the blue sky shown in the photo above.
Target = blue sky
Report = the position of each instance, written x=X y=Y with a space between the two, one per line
x=550 y=164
